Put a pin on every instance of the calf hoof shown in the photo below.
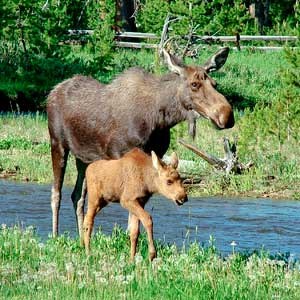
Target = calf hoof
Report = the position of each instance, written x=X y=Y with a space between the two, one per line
x=152 y=255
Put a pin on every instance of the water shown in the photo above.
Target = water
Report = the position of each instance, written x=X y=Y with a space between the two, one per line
x=251 y=223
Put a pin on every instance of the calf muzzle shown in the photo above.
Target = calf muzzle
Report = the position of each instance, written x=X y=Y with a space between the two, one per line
x=182 y=199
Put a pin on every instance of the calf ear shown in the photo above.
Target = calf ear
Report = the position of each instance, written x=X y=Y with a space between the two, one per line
x=217 y=60
x=174 y=64
x=174 y=160
x=155 y=161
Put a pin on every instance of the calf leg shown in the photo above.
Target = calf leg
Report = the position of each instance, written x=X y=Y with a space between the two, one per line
x=94 y=206
x=135 y=209
x=79 y=194
x=129 y=216
x=88 y=225
x=134 y=234
x=59 y=162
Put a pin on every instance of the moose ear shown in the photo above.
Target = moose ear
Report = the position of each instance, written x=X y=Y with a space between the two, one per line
x=217 y=60
x=174 y=64
x=155 y=161
x=174 y=160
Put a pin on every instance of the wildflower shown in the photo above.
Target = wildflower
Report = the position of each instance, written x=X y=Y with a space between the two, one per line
x=120 y=278
x=233 y=244
x=29 y=229
x=7 y=269
x=296 y=283
x=35 y=277
x=99 y=278
x=81 y=285
x=69 y=267
x=138 y=259
x=41 y=245
x=157 y=261
x=25 y=278
x=62 y=278
x=129 y=278
x=6 y=244
x=106 y=267
x=102 y=280
x=33 y=241
x=3 y=226
x=279 y=263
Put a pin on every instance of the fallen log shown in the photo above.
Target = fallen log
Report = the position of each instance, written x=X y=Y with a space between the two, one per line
x=230 y=163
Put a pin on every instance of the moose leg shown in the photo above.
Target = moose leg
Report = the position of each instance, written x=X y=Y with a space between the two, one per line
x=134 y=234
x=59 y=162
x=79 y=193
x=135 y=209
x=159 y=142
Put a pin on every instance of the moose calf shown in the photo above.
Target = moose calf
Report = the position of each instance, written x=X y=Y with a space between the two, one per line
x=131 y=180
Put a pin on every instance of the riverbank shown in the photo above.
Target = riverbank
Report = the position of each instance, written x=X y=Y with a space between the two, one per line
x=25 y=156
x=59 y=269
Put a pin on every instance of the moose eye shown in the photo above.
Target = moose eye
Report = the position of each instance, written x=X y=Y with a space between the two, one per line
x=194 y=85
x=169 y=182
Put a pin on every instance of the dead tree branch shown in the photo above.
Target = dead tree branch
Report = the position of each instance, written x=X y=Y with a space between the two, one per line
x=229 y=164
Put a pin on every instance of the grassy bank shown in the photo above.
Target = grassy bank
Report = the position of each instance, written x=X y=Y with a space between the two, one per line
x=25 y=156
x=59 y=269
x=25 y=149
x=250 y=80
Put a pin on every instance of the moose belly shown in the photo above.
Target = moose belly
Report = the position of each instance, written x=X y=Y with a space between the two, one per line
x=94 y=139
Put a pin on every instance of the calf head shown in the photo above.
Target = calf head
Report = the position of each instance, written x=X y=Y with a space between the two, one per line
x=168 y=182
x=198 y=90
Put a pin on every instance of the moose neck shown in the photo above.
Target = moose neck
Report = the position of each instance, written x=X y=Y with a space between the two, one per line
x=169 y=94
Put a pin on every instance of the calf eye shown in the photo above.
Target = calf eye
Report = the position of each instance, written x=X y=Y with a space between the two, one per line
x=169 y=182
x=195 y=85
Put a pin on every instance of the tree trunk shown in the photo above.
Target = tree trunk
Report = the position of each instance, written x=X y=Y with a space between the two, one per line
x=125 y=10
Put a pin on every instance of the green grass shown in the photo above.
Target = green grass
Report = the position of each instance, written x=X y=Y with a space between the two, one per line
x=25 y=148
x=59 y=269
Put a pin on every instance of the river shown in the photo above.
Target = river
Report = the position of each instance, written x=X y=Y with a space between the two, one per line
x=251 y=223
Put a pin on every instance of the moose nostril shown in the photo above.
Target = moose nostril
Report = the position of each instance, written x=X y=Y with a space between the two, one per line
x=231 y=121
x=226 y=121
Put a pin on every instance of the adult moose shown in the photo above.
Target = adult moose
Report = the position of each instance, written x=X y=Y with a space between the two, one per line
x=96 y=121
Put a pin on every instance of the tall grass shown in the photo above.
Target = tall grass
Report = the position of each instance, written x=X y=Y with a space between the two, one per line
x=25 y=148
x=59 y=269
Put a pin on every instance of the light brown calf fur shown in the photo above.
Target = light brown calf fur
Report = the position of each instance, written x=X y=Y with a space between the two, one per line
x=131 y=180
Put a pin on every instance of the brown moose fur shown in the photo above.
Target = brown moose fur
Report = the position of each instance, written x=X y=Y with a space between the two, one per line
x=104 y=121
x=131 y=180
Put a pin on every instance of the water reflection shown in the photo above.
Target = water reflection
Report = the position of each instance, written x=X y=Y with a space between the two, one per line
x=251 y=223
